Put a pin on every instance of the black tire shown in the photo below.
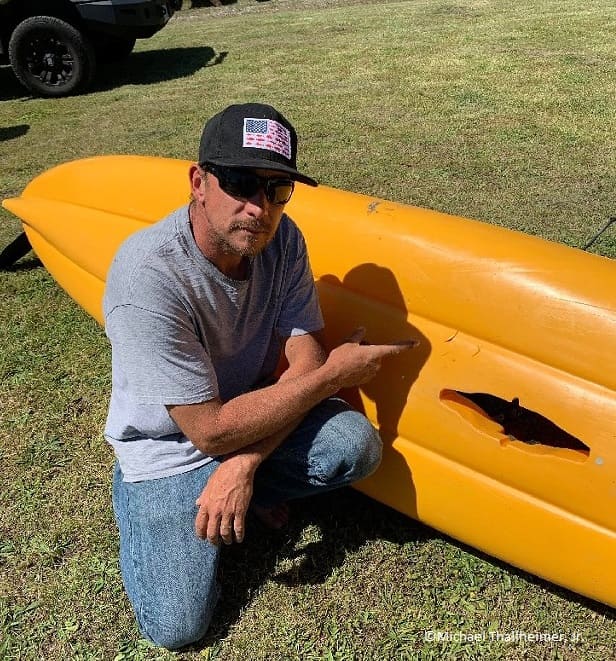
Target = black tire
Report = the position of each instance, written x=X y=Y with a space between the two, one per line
x=110 y=48
x=51 y=57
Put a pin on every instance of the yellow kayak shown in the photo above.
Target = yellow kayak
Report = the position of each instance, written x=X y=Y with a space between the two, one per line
x=500 y=430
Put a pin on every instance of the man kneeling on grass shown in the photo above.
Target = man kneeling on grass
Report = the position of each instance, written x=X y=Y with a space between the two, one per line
x=198 y=308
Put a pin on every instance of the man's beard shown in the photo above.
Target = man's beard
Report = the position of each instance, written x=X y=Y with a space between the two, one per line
x=253 y=247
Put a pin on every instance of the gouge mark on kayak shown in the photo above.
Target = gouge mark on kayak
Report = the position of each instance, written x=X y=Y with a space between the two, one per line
x=518 y=424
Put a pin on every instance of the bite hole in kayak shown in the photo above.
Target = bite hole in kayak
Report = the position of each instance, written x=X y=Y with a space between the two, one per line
x=517 y=422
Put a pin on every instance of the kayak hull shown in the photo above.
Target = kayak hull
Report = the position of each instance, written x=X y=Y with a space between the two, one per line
x=503 y=319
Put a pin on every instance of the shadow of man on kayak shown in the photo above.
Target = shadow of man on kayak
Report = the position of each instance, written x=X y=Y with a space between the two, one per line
x=369 y=296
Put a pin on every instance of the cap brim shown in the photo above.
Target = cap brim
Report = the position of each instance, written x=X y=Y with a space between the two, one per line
x=265 y=165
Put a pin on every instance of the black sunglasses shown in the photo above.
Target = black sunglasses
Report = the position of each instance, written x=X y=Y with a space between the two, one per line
x=246 y=184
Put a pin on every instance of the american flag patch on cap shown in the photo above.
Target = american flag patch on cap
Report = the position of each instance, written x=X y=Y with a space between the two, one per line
x=267 y=134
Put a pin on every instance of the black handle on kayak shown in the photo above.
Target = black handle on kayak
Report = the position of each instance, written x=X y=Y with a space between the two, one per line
x=14 y=251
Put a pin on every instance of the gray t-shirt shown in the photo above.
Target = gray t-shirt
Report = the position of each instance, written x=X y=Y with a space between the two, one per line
x=182 y=332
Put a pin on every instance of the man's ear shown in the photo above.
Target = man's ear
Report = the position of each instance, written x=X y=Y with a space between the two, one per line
x=197 y=178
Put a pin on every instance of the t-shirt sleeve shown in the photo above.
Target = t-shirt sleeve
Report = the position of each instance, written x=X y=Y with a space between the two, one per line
x=157 y=357
x=300 y=311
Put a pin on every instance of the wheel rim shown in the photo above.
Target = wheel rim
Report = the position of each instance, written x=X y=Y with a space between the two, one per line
x=49 y=60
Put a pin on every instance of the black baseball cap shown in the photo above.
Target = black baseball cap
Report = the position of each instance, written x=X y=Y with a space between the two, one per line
x=251 y=135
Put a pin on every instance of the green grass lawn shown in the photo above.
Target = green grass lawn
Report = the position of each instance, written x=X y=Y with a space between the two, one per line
x=498 y=111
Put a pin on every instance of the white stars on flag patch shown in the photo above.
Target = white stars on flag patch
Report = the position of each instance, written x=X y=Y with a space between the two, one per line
x=267 y=134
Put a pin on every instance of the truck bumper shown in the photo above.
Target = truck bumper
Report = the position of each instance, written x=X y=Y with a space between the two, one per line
x=134 y=18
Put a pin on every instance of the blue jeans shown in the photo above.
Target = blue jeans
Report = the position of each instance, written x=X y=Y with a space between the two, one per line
x=169 y=573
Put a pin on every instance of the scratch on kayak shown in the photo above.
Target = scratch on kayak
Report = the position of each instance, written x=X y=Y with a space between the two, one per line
x=476 y=352
x=373 y=206
x=588 y=305
x=452 y=337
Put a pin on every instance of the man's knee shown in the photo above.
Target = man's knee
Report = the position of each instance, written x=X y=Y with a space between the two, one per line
x=173 y=632
x=364 y=446
x=352 y=449
x=182 y=616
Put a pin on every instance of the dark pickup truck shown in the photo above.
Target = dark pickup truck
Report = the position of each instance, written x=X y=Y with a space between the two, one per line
x=53 y=45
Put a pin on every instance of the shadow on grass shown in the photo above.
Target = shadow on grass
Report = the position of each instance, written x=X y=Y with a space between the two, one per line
x=27 y=264
x=141 y=68
x=12 y=132
x=17 y=249
x=347 y=520
x=155 y=66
